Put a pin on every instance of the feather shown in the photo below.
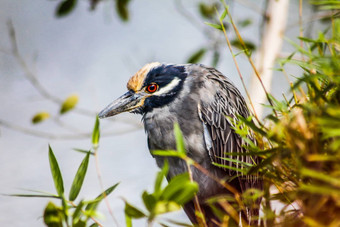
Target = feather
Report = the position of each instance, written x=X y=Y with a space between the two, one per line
x=227 y=102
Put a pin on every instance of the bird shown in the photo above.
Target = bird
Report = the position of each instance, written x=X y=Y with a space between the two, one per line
x=206 y=105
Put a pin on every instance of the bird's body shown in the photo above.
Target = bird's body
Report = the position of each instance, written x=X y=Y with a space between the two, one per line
x=205 y=104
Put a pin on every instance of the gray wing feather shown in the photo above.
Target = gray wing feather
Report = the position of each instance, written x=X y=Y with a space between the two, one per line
x=227 y=102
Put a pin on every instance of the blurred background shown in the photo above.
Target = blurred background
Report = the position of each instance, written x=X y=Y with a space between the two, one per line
x=47 y=57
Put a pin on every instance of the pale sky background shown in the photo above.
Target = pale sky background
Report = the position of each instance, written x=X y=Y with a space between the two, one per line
x=91 y=54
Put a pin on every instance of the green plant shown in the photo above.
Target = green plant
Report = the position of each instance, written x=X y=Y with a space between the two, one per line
x=71 y=212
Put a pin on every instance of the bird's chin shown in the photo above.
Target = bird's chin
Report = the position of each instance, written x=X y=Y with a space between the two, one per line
x=138 y=110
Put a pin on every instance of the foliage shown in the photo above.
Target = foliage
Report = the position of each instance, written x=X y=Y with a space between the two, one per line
x=305 y=137
x=298 y=142
x=69 y=104
x=71 y=213
x=65 y=7
x=207 y=12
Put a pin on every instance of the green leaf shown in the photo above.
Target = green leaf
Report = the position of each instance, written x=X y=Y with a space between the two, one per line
x=180 y=189
x=246 y=164
x=169 y=153
x=197 y=56
x=187 y=193
x=92 y=205
x=128 y=221
x=149 y=201
x=77 y=213
x=132 y=211
x=81 y=223
x=122 y=9
x=35 y=195
x=319 y=189
x=248 y=45
x=245 y=23
x=96 y=133
x=229 y=167
x=335 y=181
x=160 y=176
x=217 y=26
x=207 y=11
x=265 y=162
x=56 y=174
x=65 y=7
x=224 y=14
x=53 y=216
x=69 y=104
x=166 y=207
x=179 y=139
x=83 y=151
x=39 y=117
x=176 y=223
x=79 y=178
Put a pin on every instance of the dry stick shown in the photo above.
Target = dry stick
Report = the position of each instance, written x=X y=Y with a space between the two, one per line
x=225 y=185
x=248 y=56
x=93 y=219
x=232 y=212
x=237 y=67
x=99 y=175
x=196 y=202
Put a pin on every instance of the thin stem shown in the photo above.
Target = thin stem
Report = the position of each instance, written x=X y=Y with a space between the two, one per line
x=48 y=135
x=237 y=67
x=196 y=202
x=219 y=181
x=248 y=56
x=99 y=175
x=93 y=219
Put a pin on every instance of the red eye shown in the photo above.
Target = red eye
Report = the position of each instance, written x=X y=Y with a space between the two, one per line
x=152 y=88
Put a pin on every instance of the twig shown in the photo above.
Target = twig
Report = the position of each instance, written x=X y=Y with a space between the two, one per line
x=196 y=202
x=31 y=77
x=236 y=64
x=48 y=135
x=93 y=219
x=99 y=175
x=222 y=183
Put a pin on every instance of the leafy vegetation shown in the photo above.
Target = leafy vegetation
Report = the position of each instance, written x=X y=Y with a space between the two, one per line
x=299 y=143
x=71 y=212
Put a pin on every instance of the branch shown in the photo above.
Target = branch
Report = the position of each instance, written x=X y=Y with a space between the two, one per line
x=53 y=136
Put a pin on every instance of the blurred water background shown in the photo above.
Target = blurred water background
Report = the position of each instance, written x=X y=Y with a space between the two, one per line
x=91 y=54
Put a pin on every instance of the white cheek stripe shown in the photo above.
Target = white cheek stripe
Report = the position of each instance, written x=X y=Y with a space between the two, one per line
x=168 y=87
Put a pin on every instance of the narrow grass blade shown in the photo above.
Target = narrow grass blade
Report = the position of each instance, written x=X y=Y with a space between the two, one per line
x=79 y=178
x=56 y=174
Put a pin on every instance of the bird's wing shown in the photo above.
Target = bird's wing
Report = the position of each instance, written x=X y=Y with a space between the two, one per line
x=219 y=116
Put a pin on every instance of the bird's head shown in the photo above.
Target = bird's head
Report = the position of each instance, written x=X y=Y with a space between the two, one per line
x=154 y=85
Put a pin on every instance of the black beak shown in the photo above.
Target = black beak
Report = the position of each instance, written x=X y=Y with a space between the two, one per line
x=127 y=102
